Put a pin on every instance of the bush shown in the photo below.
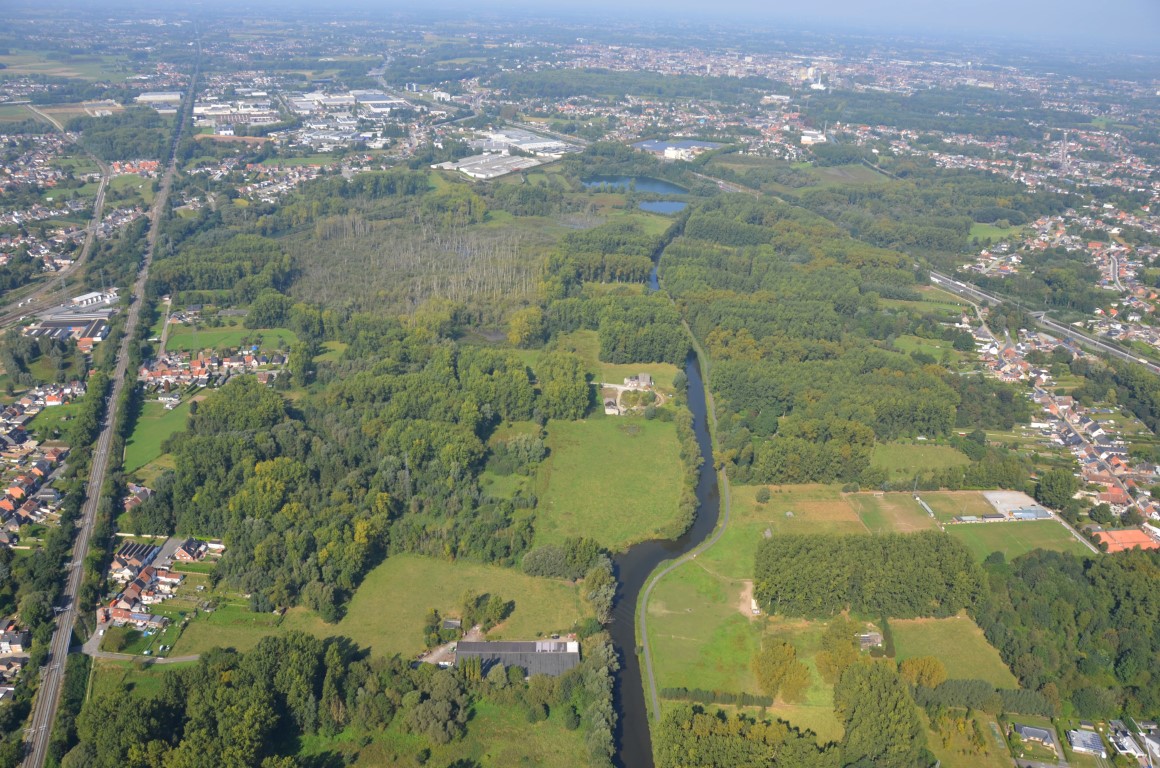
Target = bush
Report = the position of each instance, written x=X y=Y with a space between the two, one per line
x=762 y=495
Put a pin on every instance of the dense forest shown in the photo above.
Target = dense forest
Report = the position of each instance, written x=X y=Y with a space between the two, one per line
x=790 y=308
x=135 y=134
x=896 y=575
x=1085 y=633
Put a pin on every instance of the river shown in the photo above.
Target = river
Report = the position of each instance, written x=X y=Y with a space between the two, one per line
x=633 y=570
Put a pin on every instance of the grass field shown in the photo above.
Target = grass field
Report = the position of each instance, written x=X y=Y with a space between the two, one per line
x=56 y=417
x=958 y=643
x=141 y=680
x=153 y=427
x=936 y=348
x=903 y=461
x=185 y=337
x=702 y=635
x=333 y=353
x=699 y=637
x=1014 y=539
x=231 y=625
x=386 y=613
x=613 y=479
x=984 y=231
x=497 y=737
x=814 y=508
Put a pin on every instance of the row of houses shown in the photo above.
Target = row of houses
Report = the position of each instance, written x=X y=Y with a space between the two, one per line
x=180 y=369
x=28 y=494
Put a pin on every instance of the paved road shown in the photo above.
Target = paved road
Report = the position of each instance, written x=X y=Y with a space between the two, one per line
x=47 y=699
x=1116 y=273
x=971 y=292
x=41 y=297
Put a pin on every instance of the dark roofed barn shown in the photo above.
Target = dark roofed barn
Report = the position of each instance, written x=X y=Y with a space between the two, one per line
x=534 y=657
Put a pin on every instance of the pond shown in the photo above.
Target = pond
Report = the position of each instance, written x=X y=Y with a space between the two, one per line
x=639 y=183
x=662 y=206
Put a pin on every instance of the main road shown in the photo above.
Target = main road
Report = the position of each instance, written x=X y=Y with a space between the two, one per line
x=39 y=727
x=969 y=291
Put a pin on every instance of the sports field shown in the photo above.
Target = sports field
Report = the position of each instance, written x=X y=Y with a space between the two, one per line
x=958 y=643
x=1017 y=538
x=890 y=512
x=614 y=479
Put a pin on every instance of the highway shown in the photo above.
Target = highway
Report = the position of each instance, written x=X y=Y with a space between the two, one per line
x=969 y=291
x=44 y=706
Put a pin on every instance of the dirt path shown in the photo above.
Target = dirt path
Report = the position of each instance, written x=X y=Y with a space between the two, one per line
x=745 y=602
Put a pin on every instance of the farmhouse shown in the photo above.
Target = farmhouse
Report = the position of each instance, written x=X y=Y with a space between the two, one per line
x=868 y=640
x=534 y=657
x=1087 y=742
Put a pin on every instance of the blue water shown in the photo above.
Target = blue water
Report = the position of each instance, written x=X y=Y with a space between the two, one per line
x=662 y=206
x=640 y=183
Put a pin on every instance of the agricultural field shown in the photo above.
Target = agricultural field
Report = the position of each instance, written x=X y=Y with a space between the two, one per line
x=153 y=427
x=387 y=611
x=902 y=461
x=1017 y=538
x=52 y=64
x=614 y=479
x=188 y=338
x=958 y=643
x=14 y=113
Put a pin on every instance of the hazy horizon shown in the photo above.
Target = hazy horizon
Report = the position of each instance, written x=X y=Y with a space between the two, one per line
x=1131 y=22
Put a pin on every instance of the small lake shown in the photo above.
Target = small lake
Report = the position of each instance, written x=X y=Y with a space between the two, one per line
x=640 y=183
x=662 y=206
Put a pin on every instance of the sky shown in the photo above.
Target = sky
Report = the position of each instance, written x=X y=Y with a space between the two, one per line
x=1077 y=21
